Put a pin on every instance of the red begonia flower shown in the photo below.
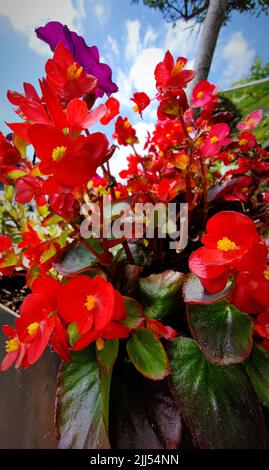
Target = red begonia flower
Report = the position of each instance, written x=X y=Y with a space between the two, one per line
x=73 y=161
x=216 y=139
x=114 y=329
x=246 y=141
x=229 y=239
x=262 y=324
x=9 y=155
x=202 y=94
x=251 y=121
x=15 y=350
x=88 y=302
x=141 y=101
x=250 y=293
x=124 y=132
x=5 y=242
x=66 y=77
x=34 y=327
x=29 y=105
x=172 y=76
x=112 y=109
x=79 y=117
x=63 y=204
x=30 y=238
x=38 y=324
x=29 y=187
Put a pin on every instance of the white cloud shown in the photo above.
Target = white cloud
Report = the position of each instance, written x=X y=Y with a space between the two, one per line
x=26 y=15
x=125 y=88
x=181 y=40
x=101 y=10
x=238 y=56
x=133 y=44
x=150 y=36
x=113 y=45
x=142 y=71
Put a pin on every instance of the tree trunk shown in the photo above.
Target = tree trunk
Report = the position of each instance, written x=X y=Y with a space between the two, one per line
x=210 y=31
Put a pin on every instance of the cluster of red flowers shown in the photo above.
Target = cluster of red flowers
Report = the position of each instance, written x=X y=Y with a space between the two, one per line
x=96 y=308
x=182 y=160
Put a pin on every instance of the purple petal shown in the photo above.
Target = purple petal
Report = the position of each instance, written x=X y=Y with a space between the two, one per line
x=88 y=57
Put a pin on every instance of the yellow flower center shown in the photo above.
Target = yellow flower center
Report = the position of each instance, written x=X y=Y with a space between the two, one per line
x=74 y=71
x=135 y=108
x=126 y=124
x=178 y=68
x=90 y=302
x=58 y=153
x=161 y=154
x=200 y=94
x=100 y=344
x=225 y=244
x=12 y=345
x=214 y=139
x=266 y=273
x=32 y=328
x=243 y=142
x=249 y=122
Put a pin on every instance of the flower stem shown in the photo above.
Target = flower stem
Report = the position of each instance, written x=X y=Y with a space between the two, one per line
x=204 y=184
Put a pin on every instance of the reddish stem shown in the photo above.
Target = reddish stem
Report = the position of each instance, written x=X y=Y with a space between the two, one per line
x=204 y=184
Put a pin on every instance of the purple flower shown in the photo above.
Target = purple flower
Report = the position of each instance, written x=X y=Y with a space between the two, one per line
x=88 y=57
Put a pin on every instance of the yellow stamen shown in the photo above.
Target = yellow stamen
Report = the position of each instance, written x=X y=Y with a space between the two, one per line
x=161 y=154
x=243 y=142
x=266 y=273
x=32 y=328
x=100 y=344
x=135 y=108
x=74 y=71
x=90 y=302
x=225 y=244
x=249 y=122
x=12 y=345
x=178 y=68
x=214 y=139
x=200 y=94
x=58 y=153
x=168 y=135
x=126 y=124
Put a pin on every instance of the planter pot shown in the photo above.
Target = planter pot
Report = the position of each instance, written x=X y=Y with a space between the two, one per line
x=27 y=401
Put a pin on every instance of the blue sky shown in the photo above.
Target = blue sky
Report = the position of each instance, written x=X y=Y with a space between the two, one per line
x=131 y=39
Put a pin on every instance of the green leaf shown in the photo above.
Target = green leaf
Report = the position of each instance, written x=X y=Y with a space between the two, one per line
x=79 y=406
x=194 y=293
x=217 y=402
x=49 y=253
x=107 y=356
x=75 y=258
x=135 y=313
x=159 y=293
x=106 y=359
x=8 y=260
x=13 y=175
x=73 y=333
x=257 y=367
x=143 y=413
x=222 y=331
x=51 y=219
x=148 y=354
